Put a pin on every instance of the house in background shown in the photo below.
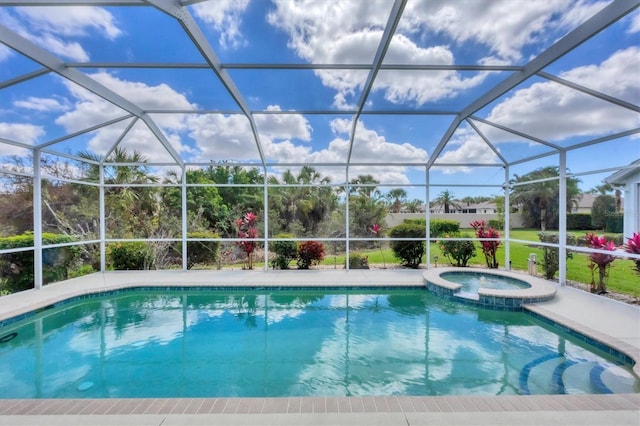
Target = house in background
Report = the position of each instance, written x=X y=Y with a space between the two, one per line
x=629 y=181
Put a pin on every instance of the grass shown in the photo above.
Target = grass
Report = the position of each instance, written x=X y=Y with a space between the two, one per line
x=622 y=276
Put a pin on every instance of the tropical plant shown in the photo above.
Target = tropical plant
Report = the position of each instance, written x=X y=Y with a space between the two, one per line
x=366 y=205
x=538 y=201
x=377 y=231
x=600 y=261
x=457 y=252
x=633 y=246
x=489 y=248
x=310 y=253
x=246 y=228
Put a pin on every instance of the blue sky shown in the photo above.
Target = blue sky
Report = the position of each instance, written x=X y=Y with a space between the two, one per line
x=497 y=32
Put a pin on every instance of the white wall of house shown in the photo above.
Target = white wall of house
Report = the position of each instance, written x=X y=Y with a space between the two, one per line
x=632 y=205
x=631 y=194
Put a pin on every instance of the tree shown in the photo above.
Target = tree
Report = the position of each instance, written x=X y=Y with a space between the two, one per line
x=538 y=201
x=306 y=203
x=203 y=201
x=603 y=206
x=366 y=206
x=396 y=197
x=446 y=200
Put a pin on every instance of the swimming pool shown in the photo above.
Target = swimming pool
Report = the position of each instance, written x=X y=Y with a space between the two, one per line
x=259 y=343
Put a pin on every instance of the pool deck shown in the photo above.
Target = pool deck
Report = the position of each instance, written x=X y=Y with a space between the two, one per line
x=602 y=319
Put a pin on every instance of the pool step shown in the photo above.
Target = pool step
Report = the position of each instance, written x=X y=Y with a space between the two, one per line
x=554 y=374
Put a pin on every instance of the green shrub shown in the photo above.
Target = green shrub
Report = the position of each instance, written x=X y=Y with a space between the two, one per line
x=579 y=221
x=495 y=224
x=410 y=253
x=200 y=252
x=550 y=261
x=440 y=227
x=358 y=261
x=614 y=223
x=133 y=256
x=285 y=251
x=309 y=253
x=457 y=252
x=17 y=269
x=603 y=206
x=437 y=227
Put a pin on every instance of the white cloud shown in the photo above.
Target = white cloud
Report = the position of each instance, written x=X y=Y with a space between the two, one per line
x=503 y=26
x=225 y=17
x=349 y=32
x=554 y=112
x=5 y=52
x=43 y=104
x=617 y=76
x=283 y=126
x=52 y=27
x=222 y=137
x=21 y=132
x=89 y=110
x=469 y=149
x=72 y=21
x=635 y=23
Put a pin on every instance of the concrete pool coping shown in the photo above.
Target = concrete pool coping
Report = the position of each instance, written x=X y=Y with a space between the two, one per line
x=614 y=323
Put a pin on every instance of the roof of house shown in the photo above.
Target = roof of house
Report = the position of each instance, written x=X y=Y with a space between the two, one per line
x=620 y=176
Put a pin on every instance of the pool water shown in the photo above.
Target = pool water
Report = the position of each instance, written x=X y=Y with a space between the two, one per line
x=472 y=281
x=226 y=343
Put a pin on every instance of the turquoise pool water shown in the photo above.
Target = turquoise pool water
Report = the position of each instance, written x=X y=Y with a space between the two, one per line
x=472 y=281
x=224 y=343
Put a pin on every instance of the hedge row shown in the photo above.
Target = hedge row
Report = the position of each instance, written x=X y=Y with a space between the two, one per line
x=17 y=269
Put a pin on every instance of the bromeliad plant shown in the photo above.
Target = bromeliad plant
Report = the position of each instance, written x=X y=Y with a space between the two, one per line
x=489 y=248
x=246 y=227
x=377 y=230
x=633 y=247
x=600 y=261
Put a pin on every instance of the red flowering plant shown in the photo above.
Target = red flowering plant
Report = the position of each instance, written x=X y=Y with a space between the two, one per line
x=600 y=261
x=489 y=248
x=633 y=247
x=246 y=227
x=377 y=230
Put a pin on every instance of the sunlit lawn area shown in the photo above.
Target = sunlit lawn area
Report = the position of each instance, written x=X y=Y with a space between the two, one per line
x=622 y=277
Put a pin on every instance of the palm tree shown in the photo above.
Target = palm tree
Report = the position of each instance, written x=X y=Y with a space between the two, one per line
x=446 y=200
x=399 y=196
x=307 y=202
x=539 y=200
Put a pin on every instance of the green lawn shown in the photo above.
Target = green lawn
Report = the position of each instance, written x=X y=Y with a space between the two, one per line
x=622 y=277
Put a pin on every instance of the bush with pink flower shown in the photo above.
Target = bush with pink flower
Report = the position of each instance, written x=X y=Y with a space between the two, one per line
x=633 y=247
x=489 y=248
x=600 y=261
x=246 y=228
